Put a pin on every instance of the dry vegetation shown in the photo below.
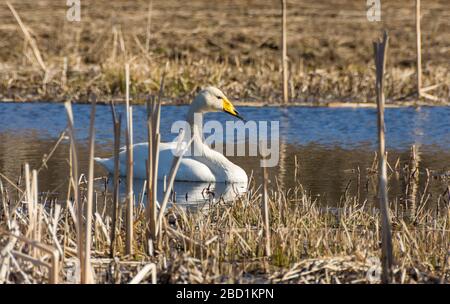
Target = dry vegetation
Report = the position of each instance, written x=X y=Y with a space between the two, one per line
x=300 y=241
x=268 y=234
x=224 y=242
x=232 y=44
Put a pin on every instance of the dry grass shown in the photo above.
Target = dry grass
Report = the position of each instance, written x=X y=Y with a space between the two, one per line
x=269 y=234
x=233 y=44
x=224 y=241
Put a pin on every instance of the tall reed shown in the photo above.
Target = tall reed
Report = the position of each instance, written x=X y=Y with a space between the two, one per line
x=380 y=51
x=418 y=50
x=88 y=276
x=130 y=164
x=284 y=59
x=116 y=194
x=74 y=183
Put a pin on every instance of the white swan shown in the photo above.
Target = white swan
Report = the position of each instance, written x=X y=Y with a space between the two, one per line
x=207 y=165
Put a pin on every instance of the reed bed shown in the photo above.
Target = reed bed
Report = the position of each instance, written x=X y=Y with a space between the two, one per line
x=225 y=241
x=269 y=234
x=236 y=46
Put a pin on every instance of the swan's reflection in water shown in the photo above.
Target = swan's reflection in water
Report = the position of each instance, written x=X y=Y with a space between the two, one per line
x=191 y=196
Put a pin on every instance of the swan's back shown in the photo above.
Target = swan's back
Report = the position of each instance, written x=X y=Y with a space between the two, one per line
x=190 y=170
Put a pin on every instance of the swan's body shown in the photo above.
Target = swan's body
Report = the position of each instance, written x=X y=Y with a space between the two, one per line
x=207 y=165
x=189 y=170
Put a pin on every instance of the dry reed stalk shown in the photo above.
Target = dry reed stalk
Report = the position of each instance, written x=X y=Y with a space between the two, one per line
x=418 y=51
x=88 y=277
x=116 y=195
x=154 y=193
x=380 y=50
x=149 y=23
x=54 y=254
x=413 y=180
x=129 y=147
x=421 y=92
x=173 y=172
x=156 y=141
x=284 y=59
x=37 y=211
x=5 y=261
x=144 y=272
x=74 y=180
x=296 y=169
x=47 y=156
x=153 y=124
x=265 y=212
x=28 y=38
x=151 y=207
x=30 y=202
x=4 y=205
x=32 y=206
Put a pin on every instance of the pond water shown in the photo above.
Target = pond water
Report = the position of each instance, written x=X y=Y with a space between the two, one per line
x=330 y=144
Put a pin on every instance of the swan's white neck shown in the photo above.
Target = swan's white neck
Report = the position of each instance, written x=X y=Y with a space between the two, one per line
x=223 y=169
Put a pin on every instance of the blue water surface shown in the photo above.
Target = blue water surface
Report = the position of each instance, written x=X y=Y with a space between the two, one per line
x=341 y=127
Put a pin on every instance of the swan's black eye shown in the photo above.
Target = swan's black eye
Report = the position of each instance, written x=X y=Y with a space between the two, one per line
x=219 y=97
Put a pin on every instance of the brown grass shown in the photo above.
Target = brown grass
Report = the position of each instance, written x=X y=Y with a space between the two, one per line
x=269 y=234
x=224 y=241
x=233 y=44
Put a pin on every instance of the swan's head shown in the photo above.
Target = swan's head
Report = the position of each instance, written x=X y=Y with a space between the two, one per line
x=211 y=99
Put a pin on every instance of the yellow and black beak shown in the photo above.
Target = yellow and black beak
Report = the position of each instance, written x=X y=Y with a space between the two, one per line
x=230 y=109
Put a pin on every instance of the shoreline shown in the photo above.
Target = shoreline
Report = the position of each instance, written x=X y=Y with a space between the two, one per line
x=406 y=104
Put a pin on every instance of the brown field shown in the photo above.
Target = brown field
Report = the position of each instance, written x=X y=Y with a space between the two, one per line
x=234 y=45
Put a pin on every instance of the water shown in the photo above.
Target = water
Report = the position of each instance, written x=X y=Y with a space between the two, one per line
x=329 y=143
